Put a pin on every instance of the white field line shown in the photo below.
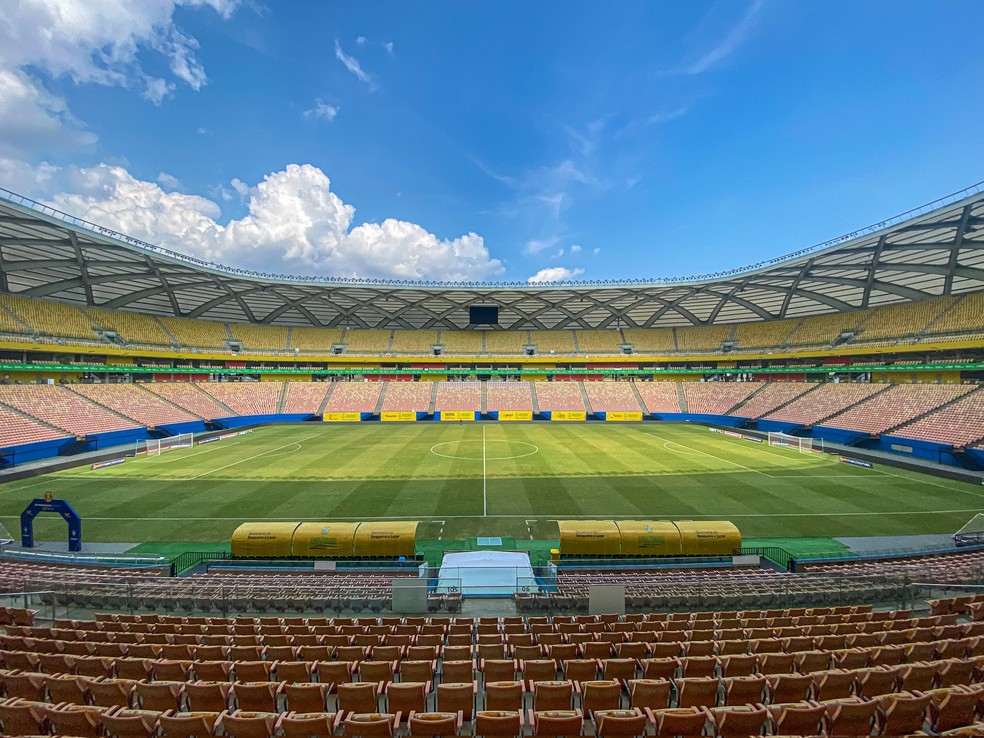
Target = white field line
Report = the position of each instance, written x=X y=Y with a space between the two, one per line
x=485 y=485
x=250 y=458
x=712 y=456
x=552 y=516
x=181 y=457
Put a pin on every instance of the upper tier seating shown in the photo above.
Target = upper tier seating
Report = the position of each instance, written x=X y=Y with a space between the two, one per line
x=131 y=327
x=959 y=424
x=899 y=321
x=462 y=342
x=314 y=339
x=896 y=406
x=650 y=340
x=764 y=334
x=558 y=342
x=15 y=430
x=354 y=397
x=820 y=330
x=716 y=398
x=509 y=396
x=56 y=406
x=703 y=338
x=132 y=401
x=772 y=396
x=459 y=396
x=305 y=397
x=196 y=333
x=612 y=397
x=660 y=397
x=259 y=337
x=246 y=398
x=367 y=341
x=408 y=397
x=8 y=323
x=599 y=342
x=188 y=396
x=413 y=342
x=48 y=318
x=963 y=317
x=505 y=342
x=827 y=400
x=559 y=396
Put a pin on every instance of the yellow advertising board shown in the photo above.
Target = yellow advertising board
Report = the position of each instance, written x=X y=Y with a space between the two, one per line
x=568 y=415
x=515 y=415
x=619 y=416
x=457 y=415
x=398 y=416
x=343 y=417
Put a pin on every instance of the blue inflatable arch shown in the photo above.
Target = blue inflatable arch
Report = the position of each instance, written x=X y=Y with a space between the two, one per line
x=43 y=505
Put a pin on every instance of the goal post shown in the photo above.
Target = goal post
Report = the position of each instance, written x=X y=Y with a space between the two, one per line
x=158 y=446
x=803 y=445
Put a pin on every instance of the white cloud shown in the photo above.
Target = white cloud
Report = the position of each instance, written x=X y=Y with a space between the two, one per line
x=557 y=254
x=389 y=47
x=32 y=119
x=294 y=224
x=730 y=43
x=89 y=42
x=554 y=274
x=169 y=181
x=540 y=244
x=352 y=64
x=202 y=130
x=575 y=248
x=595 y=251
x=322 y=111
x=360 y=40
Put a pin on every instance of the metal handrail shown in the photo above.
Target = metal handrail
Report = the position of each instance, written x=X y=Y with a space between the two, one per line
x=27 y=202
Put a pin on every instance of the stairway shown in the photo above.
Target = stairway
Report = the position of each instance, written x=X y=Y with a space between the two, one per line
x=214 y=399
x=324 y=402
x=432 y=408
x=166 y=401
x=389 y=344
x=584 y=396
x=229 y=335
x=485 y=397
x=16 y=319
x=536 y=403
x=108 y=409
x=577 y=345
x=854 y=404
x=382 y=394
x=642 y=403
x=801 y=395
x=682 y=398
x=50 y=426
x=290 y=335
x=930 y=412
x=282 y=403
x=160 y=324
x=756 y=392
x=925 y=331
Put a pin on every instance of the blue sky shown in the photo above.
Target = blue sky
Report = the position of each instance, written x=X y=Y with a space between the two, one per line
x=481 y=140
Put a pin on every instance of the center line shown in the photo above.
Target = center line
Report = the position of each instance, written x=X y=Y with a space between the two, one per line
x=485 y=498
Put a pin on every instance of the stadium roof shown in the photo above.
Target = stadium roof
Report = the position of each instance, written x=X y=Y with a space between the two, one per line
x=935 y=250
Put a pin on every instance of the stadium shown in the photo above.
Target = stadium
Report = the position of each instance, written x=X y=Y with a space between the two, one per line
x=729 y=444
x=469 y=463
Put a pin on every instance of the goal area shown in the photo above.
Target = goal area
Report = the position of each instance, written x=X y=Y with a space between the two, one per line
x=158 y=446
x=803 y=445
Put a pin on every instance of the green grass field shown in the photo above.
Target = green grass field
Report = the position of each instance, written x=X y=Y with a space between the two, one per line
x=464 y=480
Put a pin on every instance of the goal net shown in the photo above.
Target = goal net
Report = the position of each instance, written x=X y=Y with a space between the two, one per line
x=158 y=446
x=803 y=445
x=972 y=534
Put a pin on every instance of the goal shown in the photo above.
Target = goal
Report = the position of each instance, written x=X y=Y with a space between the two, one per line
x=158 y=446
x=803 y=445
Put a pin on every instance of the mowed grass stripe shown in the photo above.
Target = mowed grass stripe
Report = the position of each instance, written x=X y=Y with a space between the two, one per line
x=579 y=470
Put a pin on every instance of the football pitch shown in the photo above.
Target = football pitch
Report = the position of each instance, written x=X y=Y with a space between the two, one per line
x=466 y=480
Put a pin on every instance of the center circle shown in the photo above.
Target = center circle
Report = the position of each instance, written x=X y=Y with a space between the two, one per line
x=434 y=450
